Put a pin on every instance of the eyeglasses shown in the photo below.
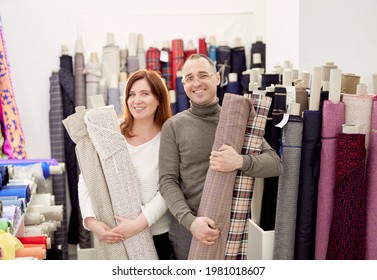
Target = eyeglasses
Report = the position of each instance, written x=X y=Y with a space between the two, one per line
x=190 y=80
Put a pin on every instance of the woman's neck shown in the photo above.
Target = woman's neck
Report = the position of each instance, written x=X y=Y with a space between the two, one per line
x=143 y=132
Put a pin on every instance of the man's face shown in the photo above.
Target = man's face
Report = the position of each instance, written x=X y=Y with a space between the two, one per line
x=200 y=82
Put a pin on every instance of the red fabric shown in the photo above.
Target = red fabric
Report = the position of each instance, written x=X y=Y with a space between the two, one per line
x=152 y=57
x=203 y=46
x=177 y=59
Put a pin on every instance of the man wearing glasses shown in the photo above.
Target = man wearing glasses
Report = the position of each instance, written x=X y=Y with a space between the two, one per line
x=185 y=156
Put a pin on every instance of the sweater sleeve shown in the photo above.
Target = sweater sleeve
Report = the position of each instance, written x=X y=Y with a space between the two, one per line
x=169 y=176
x=154 y=209
x=84 y=201
x=266 y=164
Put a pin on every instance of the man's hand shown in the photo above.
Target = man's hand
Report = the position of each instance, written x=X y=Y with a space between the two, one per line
x=226 y=159
x=204 y=229
x=103 y=231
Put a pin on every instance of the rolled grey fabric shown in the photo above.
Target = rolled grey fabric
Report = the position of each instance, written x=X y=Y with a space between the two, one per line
x=93 y=76
x=104 y=132
x=94 y=179
x=110 y=62
x=286 y=206
x=80 y=94
x=217 y=195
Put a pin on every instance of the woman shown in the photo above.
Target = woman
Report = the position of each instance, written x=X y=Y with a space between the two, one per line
x=147 y=107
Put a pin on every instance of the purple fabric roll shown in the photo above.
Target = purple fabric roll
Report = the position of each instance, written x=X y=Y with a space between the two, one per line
x=333 y=117
x=371 y=189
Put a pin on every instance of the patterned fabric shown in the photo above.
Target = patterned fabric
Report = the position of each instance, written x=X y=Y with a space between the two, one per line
x=237 y=240
x=216 y=201
x=333 y=118
x=286 y=206
x=14 y=141
x=177 y=58
x=347 y=232
x=167 y=70
x=203 y=46
x=371 y=188
x=104 y=132
x=152 y=57
x=187 y=53
x=94 y=179
x=57 y=152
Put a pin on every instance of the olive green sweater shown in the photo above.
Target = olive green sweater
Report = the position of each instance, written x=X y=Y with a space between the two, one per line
x=186 y=143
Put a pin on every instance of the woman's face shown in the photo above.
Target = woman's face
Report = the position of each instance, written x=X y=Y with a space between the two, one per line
x=142 y=103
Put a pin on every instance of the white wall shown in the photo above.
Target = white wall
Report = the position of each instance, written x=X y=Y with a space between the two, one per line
x=35 y=31
x=339 y=31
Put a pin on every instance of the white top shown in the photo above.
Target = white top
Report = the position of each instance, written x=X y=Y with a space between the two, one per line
x=145 y=161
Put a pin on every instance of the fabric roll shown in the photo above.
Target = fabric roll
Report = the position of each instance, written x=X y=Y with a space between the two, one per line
x=237 y=240
x=110 y=62
x=50 y=212
x=302 y=99
x=308 y=186
x=35 y=252
x=152 y=57
x=269 y=79
x=114 y=100
x=14 y=139
x=141 y=56
x=21 y=191
x=258 y=48
x=245 y=80
x=94 y=178
x=177 y=59
x=80 y=94
x=67 y=85
x=212 y=49
x=202 y=46
x=133 y=64
x=93 y=75
x=57 y=153
x=233 y=87
x=238 y=61
x=187 y=53
x=371 y=188
x=20 y=203
x=182 y=101
x=347 y=238
x=216 y=198
x=333 y=115
x=286 y=205
x=104 y=132
x=166 y=68
x=33 y=219
x=359 y=111
x=224 y=56
x=349 y=83
x=270 y=190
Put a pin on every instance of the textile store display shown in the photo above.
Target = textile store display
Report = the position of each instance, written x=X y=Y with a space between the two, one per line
x=347 y=238
x=166 y=62
x=237 y=240
x=67 y=86
x=286 y=205
x=104 y=132
x=80 y=94
x=238 y=61
x=94 y=178
x=269 y=79
x=333 y=116
x=110 y=59
x=177 y=59
x=270 y=191
x=224 y=67
x=216 y=200
x=152 y=57
x=371 y=188
x=233 y=85
x=114 y=95
x=140 y=51
x=14 y=139
x=8 y=245
x=93 y=77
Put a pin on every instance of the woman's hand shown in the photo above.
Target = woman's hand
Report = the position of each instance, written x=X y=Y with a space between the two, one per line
x=129 y=227
x=102 y=231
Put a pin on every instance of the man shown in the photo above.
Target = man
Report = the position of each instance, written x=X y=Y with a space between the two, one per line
x=185 y=156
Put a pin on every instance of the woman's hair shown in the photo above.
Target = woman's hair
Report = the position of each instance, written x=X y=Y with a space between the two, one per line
x=158 y=89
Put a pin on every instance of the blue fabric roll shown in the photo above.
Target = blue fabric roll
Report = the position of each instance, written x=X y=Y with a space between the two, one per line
x=212 y=52
x=22 y=191
x=182 y=99
x=114 y=99
x=233 y=87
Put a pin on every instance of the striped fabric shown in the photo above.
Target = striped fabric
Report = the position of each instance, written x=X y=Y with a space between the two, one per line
x=94 y=178
x=104 y=132
x=216 y=201
x=14 y=144
x=237 y=241
x=57 y=152
x=177 y=58
x=152 y=57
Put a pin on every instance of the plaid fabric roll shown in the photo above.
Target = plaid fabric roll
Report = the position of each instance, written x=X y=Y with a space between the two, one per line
x=203 y=46
x=152 y=57
x=104 y=132
x=237 y=240
x=216 y=201
x=177 y=58
x=94 y=178
x=167 y=70
x=14 y=140
x=187 y=53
